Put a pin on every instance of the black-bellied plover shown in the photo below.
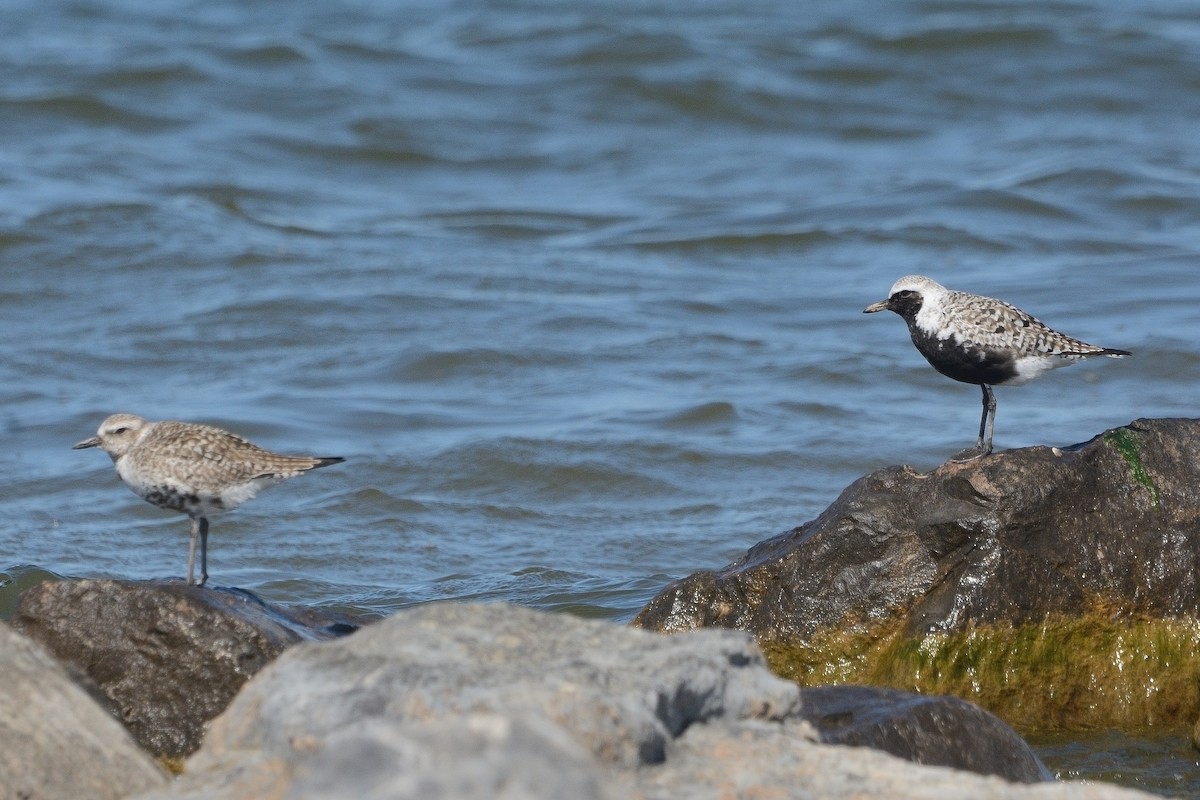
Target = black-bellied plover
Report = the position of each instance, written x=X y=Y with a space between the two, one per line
x=981 y=340
x=196 y=469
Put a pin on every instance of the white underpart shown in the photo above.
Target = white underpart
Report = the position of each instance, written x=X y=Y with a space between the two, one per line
x=138 y=483
x=239 y=493
x=1029 y=367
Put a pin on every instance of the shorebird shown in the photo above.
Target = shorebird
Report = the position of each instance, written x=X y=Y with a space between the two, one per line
x=981 y=340
x=195 y=469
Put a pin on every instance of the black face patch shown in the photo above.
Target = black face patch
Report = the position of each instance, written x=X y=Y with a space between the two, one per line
x=906 y=303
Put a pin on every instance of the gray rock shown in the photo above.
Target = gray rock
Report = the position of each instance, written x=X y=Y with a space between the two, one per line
x=623 y=694
x=478 y=755
x=55 y=740
x=167 y=657
x=467 y=701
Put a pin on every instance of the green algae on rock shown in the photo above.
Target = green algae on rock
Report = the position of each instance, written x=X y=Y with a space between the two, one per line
x=1125 y=441
x=1097 y=671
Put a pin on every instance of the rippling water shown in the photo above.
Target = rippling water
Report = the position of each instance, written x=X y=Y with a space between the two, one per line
x=576 y=288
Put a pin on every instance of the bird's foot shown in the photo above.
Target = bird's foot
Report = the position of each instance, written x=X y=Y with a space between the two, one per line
x=969 y=455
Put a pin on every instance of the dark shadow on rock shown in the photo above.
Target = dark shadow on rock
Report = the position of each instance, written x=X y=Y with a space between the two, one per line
x=164 y=656
x=936 y=731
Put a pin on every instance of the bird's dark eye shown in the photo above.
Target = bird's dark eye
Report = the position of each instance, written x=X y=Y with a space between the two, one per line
x=119 y=431
x=904 y=294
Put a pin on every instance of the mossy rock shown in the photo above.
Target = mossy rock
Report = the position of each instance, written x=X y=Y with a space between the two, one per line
x=1063 y=675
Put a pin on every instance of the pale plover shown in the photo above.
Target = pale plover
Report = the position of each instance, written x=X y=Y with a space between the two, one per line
x=981 y=340
x=195 y=469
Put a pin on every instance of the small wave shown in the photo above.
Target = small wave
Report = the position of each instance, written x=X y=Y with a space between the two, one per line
x=268 y=55
x=703 y=415
x=960 y=39
x=477 y=362
x=732 y=242
x=90 y=111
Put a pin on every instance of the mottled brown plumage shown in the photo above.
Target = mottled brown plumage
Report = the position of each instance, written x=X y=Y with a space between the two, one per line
x=195 y=469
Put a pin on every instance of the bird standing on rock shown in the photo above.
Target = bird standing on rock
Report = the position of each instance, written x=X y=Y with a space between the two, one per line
x=195 y=469
x=981 y=340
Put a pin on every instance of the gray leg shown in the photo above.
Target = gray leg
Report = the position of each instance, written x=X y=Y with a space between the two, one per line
x=987 y=422
x=200 y=532
x=192 y=551
x=983 y=445
x=204 y=551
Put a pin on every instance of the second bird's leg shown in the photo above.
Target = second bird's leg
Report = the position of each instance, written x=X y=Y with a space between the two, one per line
x=192 y=551
x=199 y=532
x=203 y=551
x=987 y=421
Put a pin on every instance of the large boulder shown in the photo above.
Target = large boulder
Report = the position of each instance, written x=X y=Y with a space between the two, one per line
x=454 y=701
x=55 y=740
x=994 y=575
x=623 y=694
x=165 y=656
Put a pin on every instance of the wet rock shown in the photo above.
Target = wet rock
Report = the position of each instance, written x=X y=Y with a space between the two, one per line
x=497 y=701
x=938 y=731
x=1012 y=537
x=1055 y=587
x=55 y=740
x=167 y=657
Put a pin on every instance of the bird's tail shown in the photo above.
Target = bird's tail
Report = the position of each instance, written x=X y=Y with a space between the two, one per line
x=325 y=462
x=1111 y=353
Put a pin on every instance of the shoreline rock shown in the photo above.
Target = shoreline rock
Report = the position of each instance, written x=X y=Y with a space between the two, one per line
x=165 y=657
x=455 y=700
x=976 y=578
x=56 y=742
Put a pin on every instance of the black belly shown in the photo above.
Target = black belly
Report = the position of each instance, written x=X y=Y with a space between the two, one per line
x=171 y=498
x=969 y=364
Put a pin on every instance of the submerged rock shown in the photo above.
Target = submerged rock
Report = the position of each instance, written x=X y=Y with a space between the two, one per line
x=455 y=701
x=938 y=731
x=56 y=742
x=167 y=657
x=918 y=579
